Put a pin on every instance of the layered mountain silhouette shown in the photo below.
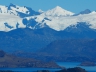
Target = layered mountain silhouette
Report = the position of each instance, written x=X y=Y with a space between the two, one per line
x=24 y=30
x=68 y=50
x=29 y=40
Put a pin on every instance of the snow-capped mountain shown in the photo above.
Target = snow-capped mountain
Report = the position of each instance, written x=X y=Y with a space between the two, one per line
x=58 y=12
x=61 y=23
x=28 y=30
x=17 y=10
x=41 y=11
x=14 y=16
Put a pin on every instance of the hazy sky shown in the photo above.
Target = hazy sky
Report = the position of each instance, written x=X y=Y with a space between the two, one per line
x=71 y=5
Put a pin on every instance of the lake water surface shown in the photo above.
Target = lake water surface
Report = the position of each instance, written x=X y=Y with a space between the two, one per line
x=28 y=69
x=65 y=64
x=76 y=64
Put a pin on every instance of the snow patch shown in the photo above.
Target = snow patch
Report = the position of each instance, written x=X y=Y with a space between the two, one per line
x=10 y=20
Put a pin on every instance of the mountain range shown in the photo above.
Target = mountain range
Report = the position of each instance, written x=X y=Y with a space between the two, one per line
x=69 y=50
x=24 y=30
x=14 y=16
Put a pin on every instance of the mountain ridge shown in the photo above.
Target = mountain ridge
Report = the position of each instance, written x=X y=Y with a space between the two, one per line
x=25 y=30
x=57 y=18
x=77 y=50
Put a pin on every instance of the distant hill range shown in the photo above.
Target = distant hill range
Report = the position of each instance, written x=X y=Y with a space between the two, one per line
x=69 y=50
x=78 y=50
x=58 y=34
x=10 y=61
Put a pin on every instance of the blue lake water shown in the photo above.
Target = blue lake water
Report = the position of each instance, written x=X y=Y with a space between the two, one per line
x=28 y=69
x=65 y=64
x=76 y=64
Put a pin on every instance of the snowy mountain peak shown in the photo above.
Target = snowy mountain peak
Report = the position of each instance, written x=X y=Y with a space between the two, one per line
x=3 y=9
x=58 y=7
x=14 y=16
x=12 y=9
x=18 y=8
x=58 y=11
x=41 y=11
x=21 y=11
x=93 y=12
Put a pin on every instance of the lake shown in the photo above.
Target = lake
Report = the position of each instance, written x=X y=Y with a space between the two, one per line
x=76 y=64
x=65 y=64
x=28 y=69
